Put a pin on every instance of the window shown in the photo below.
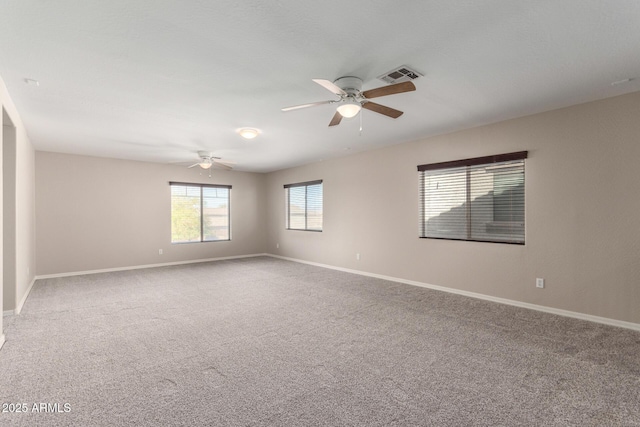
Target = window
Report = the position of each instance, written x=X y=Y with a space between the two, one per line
x=304 y=206
x=199 y=212
x=479 y=199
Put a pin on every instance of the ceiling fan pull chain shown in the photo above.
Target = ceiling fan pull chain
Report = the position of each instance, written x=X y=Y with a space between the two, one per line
x=360 y=122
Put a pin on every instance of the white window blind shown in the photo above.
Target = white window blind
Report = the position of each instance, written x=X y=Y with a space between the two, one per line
x=199 y=212
x=304 y=206
x=480 y=199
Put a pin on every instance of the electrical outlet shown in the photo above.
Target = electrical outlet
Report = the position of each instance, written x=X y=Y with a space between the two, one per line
x=357 y=257
x=159 y=251
x=539 y=283
x=277 y=245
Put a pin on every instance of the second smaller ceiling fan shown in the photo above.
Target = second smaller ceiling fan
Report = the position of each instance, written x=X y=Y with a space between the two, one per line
x=352 y=99
x=207 y=160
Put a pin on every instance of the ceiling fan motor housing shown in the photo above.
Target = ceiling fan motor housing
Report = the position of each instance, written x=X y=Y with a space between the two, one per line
x=205 y=155
x=351 y=85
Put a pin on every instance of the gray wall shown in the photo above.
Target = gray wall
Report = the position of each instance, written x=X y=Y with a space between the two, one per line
x=582 y=206
x=96 y=213
x=9 y=214
x=2 y=122
x=25 y=216
x=21 y=204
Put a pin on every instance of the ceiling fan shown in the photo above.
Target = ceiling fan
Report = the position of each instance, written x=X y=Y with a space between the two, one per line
x=207 y=160
x=352 y=99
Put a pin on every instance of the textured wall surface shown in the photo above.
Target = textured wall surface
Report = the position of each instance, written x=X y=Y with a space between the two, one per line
x=95 y=213
x=581 y=212
x=23 y=205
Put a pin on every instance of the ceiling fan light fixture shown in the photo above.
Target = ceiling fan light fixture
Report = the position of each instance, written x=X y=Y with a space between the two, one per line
x=349 y=109
x=205 y=165
x=248 y=133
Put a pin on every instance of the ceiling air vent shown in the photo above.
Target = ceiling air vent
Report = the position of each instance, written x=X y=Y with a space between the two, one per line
x=399 y=75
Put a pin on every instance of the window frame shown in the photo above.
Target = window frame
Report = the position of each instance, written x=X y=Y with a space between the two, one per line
x=305 y=184
x=467 y=164
x=202 y=187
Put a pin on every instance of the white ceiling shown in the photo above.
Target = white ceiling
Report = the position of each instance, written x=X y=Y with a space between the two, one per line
x=158 y=80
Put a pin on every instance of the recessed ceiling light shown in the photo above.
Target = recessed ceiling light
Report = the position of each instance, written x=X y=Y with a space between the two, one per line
x=248 y=133
x=31 y=82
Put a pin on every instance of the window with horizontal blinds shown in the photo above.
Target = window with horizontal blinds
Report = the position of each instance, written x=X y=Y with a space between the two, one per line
x=200 y=212
x=479 y=199
x=304 y=206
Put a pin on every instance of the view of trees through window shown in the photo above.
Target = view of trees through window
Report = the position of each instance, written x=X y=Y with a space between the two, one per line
x=199 y=213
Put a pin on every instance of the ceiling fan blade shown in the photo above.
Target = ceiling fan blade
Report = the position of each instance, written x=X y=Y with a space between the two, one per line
x=387 y=111
x=224 y=165
x=337 y=117
x=313 y=104
x=226 y=162
x=193 y=165
x=330 y=86
x=389 y=90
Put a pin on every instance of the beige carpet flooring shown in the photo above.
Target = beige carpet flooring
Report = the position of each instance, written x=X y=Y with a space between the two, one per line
x=267 y=342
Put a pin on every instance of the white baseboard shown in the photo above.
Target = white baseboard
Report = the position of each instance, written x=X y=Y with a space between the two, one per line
x=18 y=309
x=560 y=312
x=24 y=297
x=138 y=267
